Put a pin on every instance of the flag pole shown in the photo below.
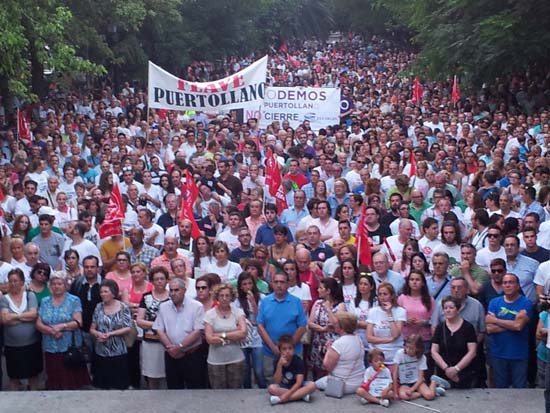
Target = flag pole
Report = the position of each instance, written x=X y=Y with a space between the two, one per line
x=18 y=129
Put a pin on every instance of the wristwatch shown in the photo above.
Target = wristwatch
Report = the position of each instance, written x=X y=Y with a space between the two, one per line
x=224 y=335
x=180 y=345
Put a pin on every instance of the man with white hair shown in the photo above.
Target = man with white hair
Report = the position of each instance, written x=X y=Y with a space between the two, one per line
x=393 y=246
x=51 y=191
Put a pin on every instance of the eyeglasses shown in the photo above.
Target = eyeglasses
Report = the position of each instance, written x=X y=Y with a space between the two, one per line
x=493 y=235
x=497 y=270
x=202 y=287
x=42 y=272
x=122 y=260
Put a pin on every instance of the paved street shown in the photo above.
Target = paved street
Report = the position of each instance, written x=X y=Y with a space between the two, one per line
x=248 y=401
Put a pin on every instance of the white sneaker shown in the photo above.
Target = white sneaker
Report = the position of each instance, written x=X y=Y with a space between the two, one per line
x=307 y=398
x=363 y=401
x=441 y=382
x=275 y=399
x=440 y=391
x=385 y=403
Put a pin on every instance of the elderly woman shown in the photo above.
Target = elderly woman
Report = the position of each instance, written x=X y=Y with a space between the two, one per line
x=18 y=310
x=59 y=321
x=110 y=322
x=454 y=346
x=225 y=328
x=40 y=275
x=152 y=350
x=344 y=357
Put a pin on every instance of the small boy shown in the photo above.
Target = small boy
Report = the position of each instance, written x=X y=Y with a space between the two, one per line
x=288 y=377
x=377 y=387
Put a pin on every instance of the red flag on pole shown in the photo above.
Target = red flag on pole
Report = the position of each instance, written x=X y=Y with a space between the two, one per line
x=364 y=255
x=110 y=228
x=274 y=181
x=417 y=91
x=412 y=171
x=23 y=128
x=295 y=62
x=284 y=47
x=189 y=194
x=115 y=207
x=114 y=214
x=455 y=94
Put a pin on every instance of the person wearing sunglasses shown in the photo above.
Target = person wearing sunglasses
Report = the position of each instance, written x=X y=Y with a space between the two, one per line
x=40 y=276
x=493 y=250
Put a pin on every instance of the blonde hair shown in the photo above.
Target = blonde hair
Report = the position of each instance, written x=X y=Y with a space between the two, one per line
x=347 y=322
x=225 y=286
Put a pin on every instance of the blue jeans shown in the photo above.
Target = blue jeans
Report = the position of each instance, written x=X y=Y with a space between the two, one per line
x=253 y=357
x=509 y=372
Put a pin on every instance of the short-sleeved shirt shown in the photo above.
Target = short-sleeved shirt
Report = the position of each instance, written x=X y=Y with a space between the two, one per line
x=105 y=323
x=350 y=365
x=510 y=345
x=281 y=317
x=408 y=367
x=23 y=333
x=381 y=328
x=290 y=372
x=178 y=323
x=454 y=346
x=230 y=353
x=51 y=314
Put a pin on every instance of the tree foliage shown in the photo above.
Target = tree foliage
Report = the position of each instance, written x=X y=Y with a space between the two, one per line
x=32 y=38
x=479 y=38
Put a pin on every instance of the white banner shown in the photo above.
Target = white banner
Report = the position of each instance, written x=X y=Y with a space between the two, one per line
x=242 y=90
x=321 y=106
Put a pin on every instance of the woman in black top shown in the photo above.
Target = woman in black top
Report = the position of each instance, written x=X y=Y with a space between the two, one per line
x=454 y=345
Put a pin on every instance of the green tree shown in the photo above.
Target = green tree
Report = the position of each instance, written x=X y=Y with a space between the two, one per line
x=481 y=38
x=33 y=38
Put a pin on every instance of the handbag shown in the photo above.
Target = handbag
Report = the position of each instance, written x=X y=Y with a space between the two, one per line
x=336 y=385
x=74 y=358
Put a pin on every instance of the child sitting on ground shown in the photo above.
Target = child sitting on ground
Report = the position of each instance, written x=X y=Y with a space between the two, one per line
x=377 y=387
x=408 y=375
x=288 y=378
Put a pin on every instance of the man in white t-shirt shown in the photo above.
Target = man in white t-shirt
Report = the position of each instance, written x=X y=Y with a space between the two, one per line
x=154 y=234
x=493 y=250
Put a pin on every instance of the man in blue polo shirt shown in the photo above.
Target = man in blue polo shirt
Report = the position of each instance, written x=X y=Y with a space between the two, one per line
x=507 y=323
x=265 y=234
x=280 y=313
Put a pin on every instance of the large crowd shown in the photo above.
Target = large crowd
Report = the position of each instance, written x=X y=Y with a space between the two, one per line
x=454 y=197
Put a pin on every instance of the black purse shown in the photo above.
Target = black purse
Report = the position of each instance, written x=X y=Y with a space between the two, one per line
x=74 y=358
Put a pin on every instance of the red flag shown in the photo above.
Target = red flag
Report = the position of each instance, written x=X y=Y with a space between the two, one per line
x=412 y=171
x=417 y=91
x=293 y=60
x=110 y=228
x=189 y=189
x=274 y=181
x=455 y=94
x=189 y=194
x=186 y=212
x=364 y=254
x=114 y=214
x=23 y=128
x=284 y=47
x=163 y=113
x=115 y=207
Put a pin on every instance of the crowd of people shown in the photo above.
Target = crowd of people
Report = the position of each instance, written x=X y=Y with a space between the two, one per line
x=454 y=197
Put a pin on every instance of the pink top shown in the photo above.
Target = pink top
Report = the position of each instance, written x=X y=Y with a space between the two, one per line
x=415 y=309
x=124 y=284
x=135 y=298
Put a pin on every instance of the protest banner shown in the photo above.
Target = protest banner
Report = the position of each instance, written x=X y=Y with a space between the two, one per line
x=320 y=106
x=243 y=90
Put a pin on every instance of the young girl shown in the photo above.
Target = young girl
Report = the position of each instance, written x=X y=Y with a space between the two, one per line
x=377 y=387
x=408 y=375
